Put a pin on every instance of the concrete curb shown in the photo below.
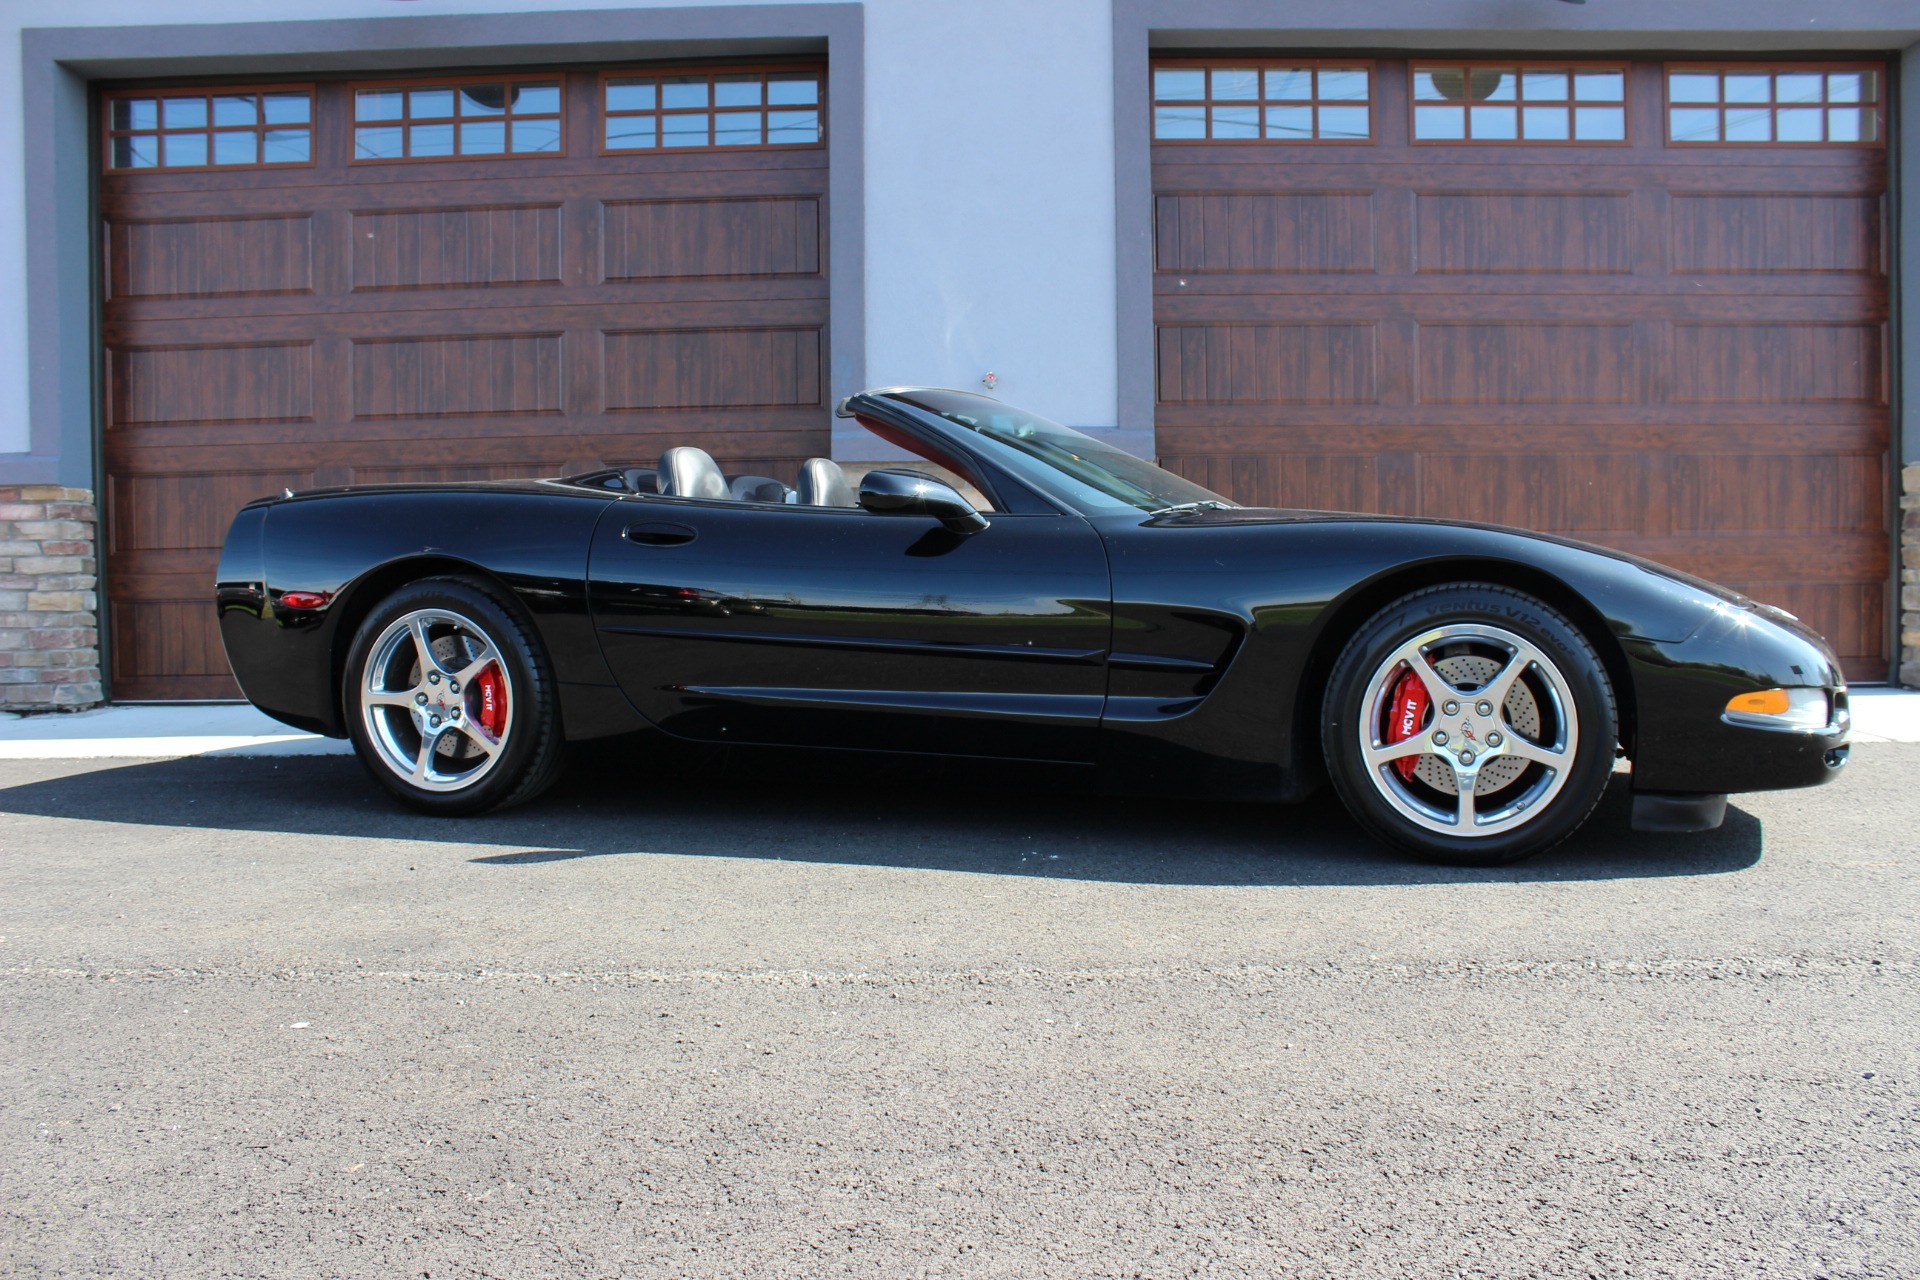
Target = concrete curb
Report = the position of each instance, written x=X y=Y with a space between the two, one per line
x=148 y=731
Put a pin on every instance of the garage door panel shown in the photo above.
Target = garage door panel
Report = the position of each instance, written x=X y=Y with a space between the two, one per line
x=193 y=383
x=1822 y=296
x=1580 y=493
x=443 y=320
x=1679 y=351
x=210 y=258
x=458 y=376
x=467 y=247
x=506 y=306
x=712 y=368
x=1555 y=232
x=1748 y=233
x=1531 y=362
x=669 y=239
x=169 y=647
x=1268 y=364
x=149 y=514
x=1294 y=231
x=1778 y=363
x=1759 y=493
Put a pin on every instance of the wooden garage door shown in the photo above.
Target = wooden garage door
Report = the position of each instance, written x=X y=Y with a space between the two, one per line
x=1540 y=293
x=436 y=278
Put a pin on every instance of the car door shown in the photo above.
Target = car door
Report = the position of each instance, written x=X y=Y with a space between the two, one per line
x=836 y=626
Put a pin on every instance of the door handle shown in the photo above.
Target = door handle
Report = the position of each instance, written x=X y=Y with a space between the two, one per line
x=654 y=533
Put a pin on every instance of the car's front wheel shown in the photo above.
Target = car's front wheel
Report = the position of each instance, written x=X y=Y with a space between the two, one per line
x=450 y=700
x=1469 y=724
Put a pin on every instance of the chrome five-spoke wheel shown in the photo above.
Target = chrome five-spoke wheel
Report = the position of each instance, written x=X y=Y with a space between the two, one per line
x=435 y=700
x=1469 y=723
x=450 y=698
x=1468 y=729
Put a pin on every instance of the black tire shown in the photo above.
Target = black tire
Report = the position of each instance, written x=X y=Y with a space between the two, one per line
x=1555 y=728
x=494 y=743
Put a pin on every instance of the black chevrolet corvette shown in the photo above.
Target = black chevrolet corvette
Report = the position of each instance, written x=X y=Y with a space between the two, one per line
x=1026 y=593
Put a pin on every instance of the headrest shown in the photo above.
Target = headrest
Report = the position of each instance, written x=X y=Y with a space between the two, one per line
x=686 y=472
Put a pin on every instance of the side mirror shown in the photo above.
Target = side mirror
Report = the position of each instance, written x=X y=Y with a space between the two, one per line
x=910 y=493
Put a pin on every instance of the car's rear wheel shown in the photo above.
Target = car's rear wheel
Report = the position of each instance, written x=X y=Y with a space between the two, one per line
x=1469 y=724
x=450 y=700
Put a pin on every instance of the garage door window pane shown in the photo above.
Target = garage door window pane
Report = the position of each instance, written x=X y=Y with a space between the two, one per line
x=630 y=95
x=736 y=91
x=430 y=104
x=515 y=115
x=482 y=137
x=1282 y=102
x=537 y=100
x=1346 y=123
x=684 y=130
x=1469 y=102
x=430 y=140
x=793 y=90
x=1759 y=105
x=1289 y=84
x=1180 y=122
x=1494 y=124
x=379 y=104
x=135 y=113
x=625 y=132
x=531 y=136
x=1600 y=124
x=684 y=91
x=736 y=128
x=1343 y=84
x=233 y=109
x=721 y=109
x=1694 y=124
x=793 y=128
x=1290 y=122
x=1545 y=124
x=1545 y=86
x=378 y=144
x=183 y=150
x=184 y=113
x=197 y=128
x=136 y=152
x=286 y=146
x=236 y=146
x=1236 y=84
x=1439 y=123
x=1180 y=84
x=1799 y=124
x=1236 y=122
x=287 y=108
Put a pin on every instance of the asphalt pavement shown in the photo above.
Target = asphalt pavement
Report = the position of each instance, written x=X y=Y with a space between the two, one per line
x=720 y=1017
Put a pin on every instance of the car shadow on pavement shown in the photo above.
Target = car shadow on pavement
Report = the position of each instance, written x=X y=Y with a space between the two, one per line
x=854 y=811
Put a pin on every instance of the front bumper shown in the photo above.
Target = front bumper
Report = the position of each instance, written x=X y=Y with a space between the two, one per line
x=1685 y=745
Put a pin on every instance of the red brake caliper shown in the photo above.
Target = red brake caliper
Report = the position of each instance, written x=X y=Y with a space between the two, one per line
x=493 y=700
x=1406 y=716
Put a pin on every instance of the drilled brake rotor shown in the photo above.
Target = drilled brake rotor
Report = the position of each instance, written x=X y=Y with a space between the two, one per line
x=1470 y=671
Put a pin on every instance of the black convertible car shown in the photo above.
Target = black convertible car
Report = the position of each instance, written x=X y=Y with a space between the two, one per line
x=1030 y=594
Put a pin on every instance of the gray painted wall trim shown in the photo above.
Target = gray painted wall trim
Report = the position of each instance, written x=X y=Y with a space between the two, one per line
x=1906 y=265
x=57 y=63
x=1141 y=27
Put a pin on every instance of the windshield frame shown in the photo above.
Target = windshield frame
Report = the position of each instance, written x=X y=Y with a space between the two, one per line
x=1088 y=486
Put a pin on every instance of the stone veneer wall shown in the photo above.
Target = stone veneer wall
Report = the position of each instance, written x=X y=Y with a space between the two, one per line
x=1910 y=576
x=49 y=608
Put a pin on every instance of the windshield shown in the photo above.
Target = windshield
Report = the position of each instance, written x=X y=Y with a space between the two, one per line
x=1093 y=475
